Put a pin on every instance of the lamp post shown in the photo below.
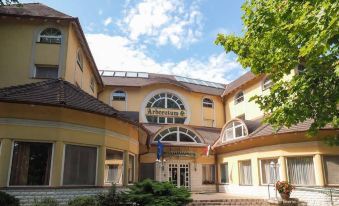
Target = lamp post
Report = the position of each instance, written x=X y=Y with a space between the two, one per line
x=275 y=166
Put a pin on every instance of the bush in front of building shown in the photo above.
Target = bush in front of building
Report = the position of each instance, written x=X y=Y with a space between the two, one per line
x=83 y=201
x=112 y=198
x=47 y=201
x=9 y=200
x=150 y=193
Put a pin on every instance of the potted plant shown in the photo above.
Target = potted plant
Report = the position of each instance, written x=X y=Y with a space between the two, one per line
x=284 y=188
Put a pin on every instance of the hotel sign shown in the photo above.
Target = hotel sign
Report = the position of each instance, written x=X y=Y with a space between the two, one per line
x=163 y=112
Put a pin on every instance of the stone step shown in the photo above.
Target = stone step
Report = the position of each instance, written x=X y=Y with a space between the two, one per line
x=235 y=202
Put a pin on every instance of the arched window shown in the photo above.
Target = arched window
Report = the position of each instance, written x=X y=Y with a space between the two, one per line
x=165 y=108
x=79 y=59
x=233 y=130
x=119 y=96
x=239 y=97
x=267 y=83
x=177 y=134
x=50 y=36
x=206 y=102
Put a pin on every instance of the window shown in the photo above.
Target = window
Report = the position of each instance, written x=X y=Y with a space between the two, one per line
x=269 y=171
x=46 y=71
x=331 y=164
x=31 y=163
x=79 y=59
x=224 y=173
x=92 y=84
x=114 y=165
x=245 y=172
x=131 y=74
x=50 y=36
x=120 y=74
x=80 y=165
x=165 y=108
x=177 y=134
x=131 y=168
x=206 y=102
x=119 y=96
x=208 y=174
x=267 y=83
x=107 y=73
x=234 y=129
x=239 y=97
x=301 y=170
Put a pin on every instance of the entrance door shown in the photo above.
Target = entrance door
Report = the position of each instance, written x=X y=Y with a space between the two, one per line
x=179 y=174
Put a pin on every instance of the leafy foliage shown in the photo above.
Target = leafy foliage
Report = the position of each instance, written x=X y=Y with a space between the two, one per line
x=8 y=2
x=48 y=201
x=9 y=200
x=149 y=193
x=280 y=36
x=112 y=198
x=83 y=201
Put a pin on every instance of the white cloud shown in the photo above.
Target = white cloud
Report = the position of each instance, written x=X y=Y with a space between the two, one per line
x=108 y=21
x=163 y=22
x=118 y=53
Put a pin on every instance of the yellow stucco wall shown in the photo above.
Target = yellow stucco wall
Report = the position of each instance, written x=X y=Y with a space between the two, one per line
x=280 y=152
x=21 y=122
x=136 y=96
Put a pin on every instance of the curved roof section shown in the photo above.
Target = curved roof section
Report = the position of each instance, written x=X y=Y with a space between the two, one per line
x=161 y=79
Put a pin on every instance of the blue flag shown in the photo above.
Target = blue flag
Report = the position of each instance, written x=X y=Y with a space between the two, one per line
x=160 y=150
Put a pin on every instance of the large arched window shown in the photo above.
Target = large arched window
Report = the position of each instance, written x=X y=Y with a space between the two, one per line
x=177 y=134
x=166 y=108
x=239 y=97
x=50 y=36
x=119 y=96
x=206 y=102
x=233 y=130
x=267 y=83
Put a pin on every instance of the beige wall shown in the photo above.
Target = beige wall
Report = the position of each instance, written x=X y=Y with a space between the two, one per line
x=136 y=96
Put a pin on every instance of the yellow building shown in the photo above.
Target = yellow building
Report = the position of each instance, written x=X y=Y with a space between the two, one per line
x=67 y=128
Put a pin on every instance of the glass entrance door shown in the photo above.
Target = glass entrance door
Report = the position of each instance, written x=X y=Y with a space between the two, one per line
x=179 y=174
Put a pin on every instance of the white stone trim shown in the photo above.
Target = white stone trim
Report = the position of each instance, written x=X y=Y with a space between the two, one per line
x=142 y=116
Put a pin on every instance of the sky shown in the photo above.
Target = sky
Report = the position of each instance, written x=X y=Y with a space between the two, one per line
x=159 y=36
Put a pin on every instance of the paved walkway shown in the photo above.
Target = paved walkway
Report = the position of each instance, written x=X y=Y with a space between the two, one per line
x=220 y=196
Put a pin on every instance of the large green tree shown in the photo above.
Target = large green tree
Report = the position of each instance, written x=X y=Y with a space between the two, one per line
x=279 y=36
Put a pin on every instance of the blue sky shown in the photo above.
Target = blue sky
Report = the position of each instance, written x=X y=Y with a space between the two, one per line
x=161 y=36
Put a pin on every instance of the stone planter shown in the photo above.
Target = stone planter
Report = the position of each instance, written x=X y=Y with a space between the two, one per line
x=285 y=196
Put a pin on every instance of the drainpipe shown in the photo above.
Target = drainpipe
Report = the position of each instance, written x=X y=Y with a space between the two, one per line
x=216 y=172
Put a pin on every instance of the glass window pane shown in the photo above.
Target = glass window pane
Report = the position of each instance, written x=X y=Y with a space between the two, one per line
x=245 y=172
x=107 y=73
x=170 y=137
x=269 y=173
x=301 y=170
x=142 y=75
x=114 y=165
x=185 y=138
x=238 y=131
x=131 y=170
x=46 y=72
x=80 y=165
x=120 y=74
x=229 y=134
x=224 y=173
x=131 y=74
x=31 y=163
x=331 y=164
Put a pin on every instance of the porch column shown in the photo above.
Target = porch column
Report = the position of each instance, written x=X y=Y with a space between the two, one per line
x=101 y=166
x=125 y=176
x=318 y=169
x=255 y=171
x=5 y=158
x=282 y=168
x=57 y=162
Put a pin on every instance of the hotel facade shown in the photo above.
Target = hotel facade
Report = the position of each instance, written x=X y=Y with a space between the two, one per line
x=66 y=125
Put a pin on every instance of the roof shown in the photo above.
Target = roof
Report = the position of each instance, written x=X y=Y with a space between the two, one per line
x=209 y=134
x=247 y=77
x=33 y=10
x=256 y=130
x=59 y=93
x=159 y=79
x=38 y=10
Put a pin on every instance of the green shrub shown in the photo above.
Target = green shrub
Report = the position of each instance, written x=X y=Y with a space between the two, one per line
x=83 y=201
x=149 y=193
x=112 y=198
x=47 y=201
x=8 y=200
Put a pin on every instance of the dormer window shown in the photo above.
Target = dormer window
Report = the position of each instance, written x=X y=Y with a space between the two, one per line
x=267 y=83
x=239 y=97
x=206 y=102
x=234 y=130
x=177 y=135
x=80 y=59
x=50 y=36
x=119 y=96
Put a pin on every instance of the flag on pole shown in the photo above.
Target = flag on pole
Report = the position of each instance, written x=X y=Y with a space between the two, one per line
x=207 y=150
x=160 y=150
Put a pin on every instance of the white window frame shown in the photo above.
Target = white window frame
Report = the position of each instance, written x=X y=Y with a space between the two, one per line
x=267 y=84
x=233 y=129
x=121 y=93
x=239 y=97
x=207 y=104
x=50 y=36
x=260 y=168
x=195 y=139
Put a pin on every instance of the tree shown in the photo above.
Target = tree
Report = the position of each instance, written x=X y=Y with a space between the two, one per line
x=280 y=36
x=8 y=2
